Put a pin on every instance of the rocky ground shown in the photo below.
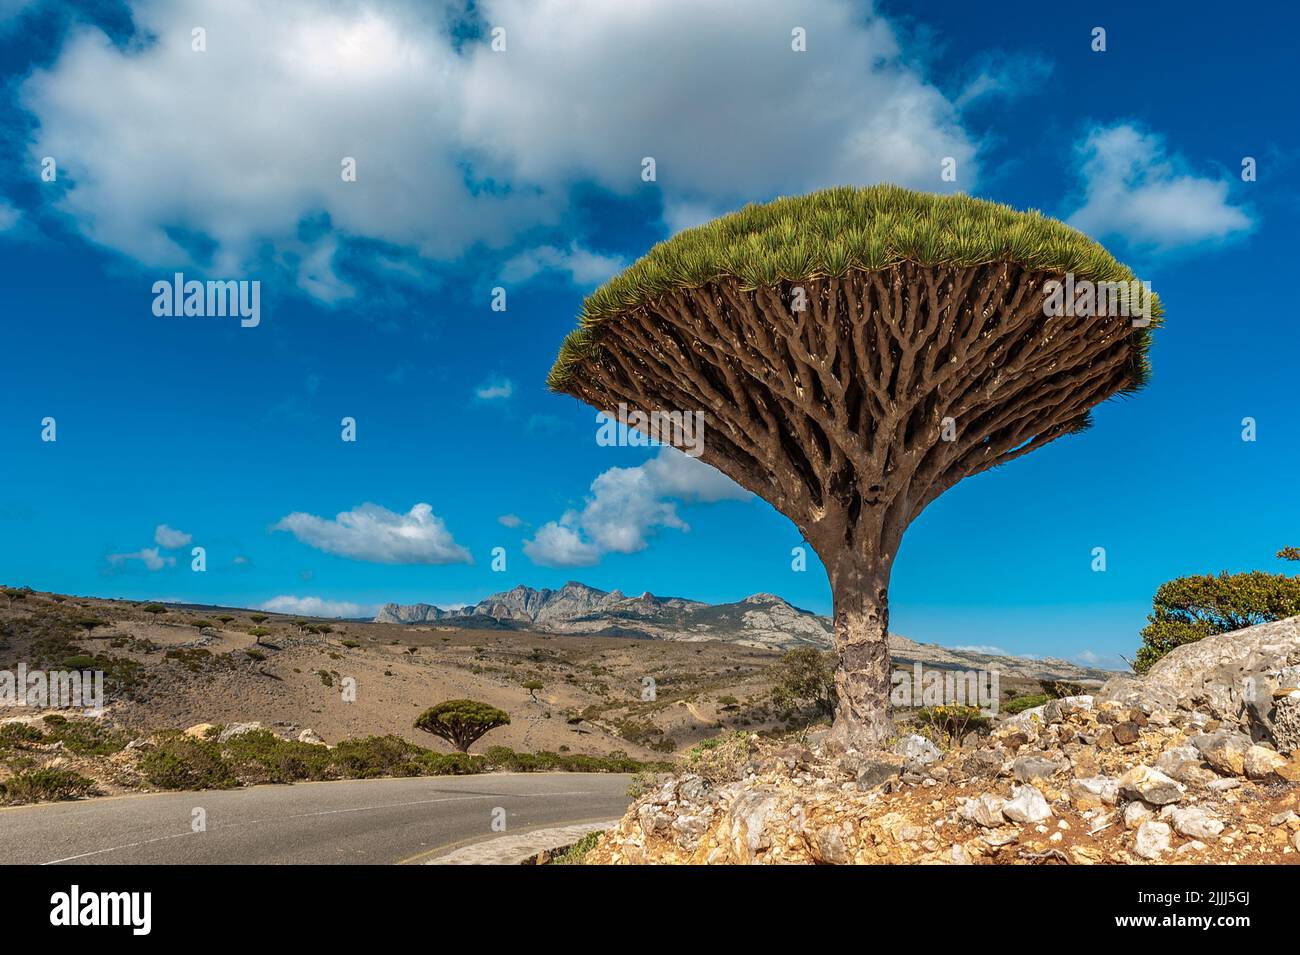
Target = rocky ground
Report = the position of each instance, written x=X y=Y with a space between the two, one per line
x=1197 y=762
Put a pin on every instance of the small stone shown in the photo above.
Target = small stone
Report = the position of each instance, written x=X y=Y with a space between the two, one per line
x=1290 y=770
x=1152 y=840
x=1150 y=785
x=1282 y=818
x=1223 y=785
x=1260 y=763
x=1028 y=768
x=1027 y=805
x=1225 y=751
x=985 y=810
x=1136 y=813
x=1126 y=733
x=1102 y=788
x=1196 y=822
x=917 y=750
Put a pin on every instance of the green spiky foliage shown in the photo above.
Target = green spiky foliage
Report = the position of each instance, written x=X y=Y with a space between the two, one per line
x=831 y=232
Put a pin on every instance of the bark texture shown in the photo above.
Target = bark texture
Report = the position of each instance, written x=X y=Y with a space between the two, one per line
x=836 y=413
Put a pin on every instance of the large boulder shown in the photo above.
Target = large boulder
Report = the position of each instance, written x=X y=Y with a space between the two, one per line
x=1232 y=677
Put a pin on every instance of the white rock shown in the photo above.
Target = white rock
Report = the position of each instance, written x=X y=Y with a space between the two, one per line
x=985 y=810
x=1195 y=822
x=1027 y=805
x=1152 y=839
x=1136 y=813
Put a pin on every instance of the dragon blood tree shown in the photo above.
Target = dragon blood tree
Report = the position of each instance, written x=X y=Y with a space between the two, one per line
x=857 y=352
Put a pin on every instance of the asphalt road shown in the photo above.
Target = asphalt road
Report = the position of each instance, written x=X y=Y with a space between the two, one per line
x=373 y=821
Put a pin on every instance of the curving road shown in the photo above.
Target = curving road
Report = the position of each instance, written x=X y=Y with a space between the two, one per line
x=372 y=821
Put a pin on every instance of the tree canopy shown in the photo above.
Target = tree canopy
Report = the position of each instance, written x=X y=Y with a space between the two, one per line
x=461 y=722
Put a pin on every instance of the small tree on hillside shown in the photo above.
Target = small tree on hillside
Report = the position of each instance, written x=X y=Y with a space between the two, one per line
x=856 y=353
x=1191 y=608
x=805 y=676
x=461 y=722
x=532 y=686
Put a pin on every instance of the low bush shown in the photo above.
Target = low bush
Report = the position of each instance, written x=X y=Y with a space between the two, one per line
x=40 y=785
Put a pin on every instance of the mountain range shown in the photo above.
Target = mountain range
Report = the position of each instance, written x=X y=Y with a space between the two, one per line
x=761 y=620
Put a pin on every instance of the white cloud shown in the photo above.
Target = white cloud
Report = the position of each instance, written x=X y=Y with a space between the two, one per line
x=1103 y=661
x=170 y=538
x=583 y=266
x=495 y=389
x=626 y=506
x=316 y=607
x=10 y=215
x=149 y=556
x=1135 y=190
x=1006 y=77
x=373 y=533
x=495 y=143
x=510 y=520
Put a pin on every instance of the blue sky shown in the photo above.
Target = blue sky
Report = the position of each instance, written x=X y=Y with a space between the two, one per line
x=521 y=169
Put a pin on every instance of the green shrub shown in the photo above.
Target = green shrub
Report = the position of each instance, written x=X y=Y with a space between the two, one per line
x=948 y=724
x=20 y=733
x=37 y=785
x=803 y=677
x=1188 y=609
x=1022 y=703
x=578 y=851
x=260 y=756
x=180 y=762
x=84 y=737
x=381 y=756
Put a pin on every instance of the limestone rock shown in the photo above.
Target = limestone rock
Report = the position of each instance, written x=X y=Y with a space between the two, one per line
x=1260 y=762
x=1225 y=751
x=1152 y=839
x=1027 y=805
x=985 y=810
x=1196 y=822
x=917 y=750
x=1150 y=785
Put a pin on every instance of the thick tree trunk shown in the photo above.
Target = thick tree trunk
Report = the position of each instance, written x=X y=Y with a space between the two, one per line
x=862 y=677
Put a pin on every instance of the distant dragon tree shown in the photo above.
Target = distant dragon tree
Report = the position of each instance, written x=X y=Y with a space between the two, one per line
x=856 y=353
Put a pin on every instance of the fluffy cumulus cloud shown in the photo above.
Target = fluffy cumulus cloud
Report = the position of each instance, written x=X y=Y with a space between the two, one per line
x=316 y=607
x=373 y=533
x=149 y=556
x=626 y=506
x=1135 y=190
x=170 y=538
x=178 y=158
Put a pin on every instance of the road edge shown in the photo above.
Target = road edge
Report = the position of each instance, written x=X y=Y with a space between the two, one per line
x=518 y=848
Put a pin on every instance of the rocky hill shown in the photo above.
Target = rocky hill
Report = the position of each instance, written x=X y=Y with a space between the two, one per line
x=764 y=621
x=1197 y=762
